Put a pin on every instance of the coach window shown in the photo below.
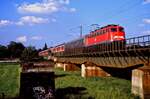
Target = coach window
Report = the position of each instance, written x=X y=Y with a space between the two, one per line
x=113 y=30
x=103 y=31
x=100 y=32
x=91 y=35
x=96 y=33
x=108 y=30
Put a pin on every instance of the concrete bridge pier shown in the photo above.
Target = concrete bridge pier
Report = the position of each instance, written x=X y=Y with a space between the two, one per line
x=71 y=67
x=141 y=82
x=67 y=66
x=91 y=70
x=59 y=65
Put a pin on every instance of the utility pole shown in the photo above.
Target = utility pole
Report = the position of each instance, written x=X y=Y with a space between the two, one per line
x=81 y=30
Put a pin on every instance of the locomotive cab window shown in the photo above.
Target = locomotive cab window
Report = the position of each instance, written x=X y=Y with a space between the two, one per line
x=113 y=29
x=121 y=29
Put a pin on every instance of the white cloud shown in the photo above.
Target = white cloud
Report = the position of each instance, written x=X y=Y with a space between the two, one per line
x=22 y=39
x=72 y=9
x=147 y=21
x=53 y=20
x=26 y=20
x=36 y=38
x=146 y=1
x=44 y=7
x=38 y=8
x=146 y=32
x=64 y=1
x=5 y=23
x=69 y=9
x=31 y=20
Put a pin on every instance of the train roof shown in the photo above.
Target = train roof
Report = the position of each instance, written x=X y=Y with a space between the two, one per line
x=77 y=39
x=60 y=45
x=105 y=27
x=44 y=51
x=88 y=34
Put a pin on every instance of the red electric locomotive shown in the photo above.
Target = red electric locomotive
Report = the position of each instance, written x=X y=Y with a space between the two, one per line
x=105 y=34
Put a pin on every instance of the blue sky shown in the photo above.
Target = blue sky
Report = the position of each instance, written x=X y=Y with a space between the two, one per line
x=36 y=22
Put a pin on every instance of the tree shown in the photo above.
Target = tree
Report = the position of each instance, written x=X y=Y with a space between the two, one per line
x=29 y=54
x=15 y=49
x=45 y=47
x=3 y=52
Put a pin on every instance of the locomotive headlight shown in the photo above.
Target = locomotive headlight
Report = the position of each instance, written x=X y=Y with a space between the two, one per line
x=118 y=37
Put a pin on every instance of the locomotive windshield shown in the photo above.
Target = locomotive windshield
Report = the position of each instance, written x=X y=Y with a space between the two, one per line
x=114 y=29
x=121 y=29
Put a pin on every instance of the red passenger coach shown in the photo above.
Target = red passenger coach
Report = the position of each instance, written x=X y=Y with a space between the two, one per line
x=105 y=34
x=59 y=48
x=44 y=53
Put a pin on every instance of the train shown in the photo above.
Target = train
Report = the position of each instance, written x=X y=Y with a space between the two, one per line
x=107 y=38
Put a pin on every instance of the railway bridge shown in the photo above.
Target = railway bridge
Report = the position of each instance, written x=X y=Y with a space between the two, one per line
x=132 y=60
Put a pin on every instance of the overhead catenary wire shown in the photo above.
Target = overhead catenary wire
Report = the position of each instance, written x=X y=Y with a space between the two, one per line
x=120 y=7
x=124 y=8
x=119 y=12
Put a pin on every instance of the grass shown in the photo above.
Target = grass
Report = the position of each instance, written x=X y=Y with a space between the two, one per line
x=70 y=85
x=9 y=80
